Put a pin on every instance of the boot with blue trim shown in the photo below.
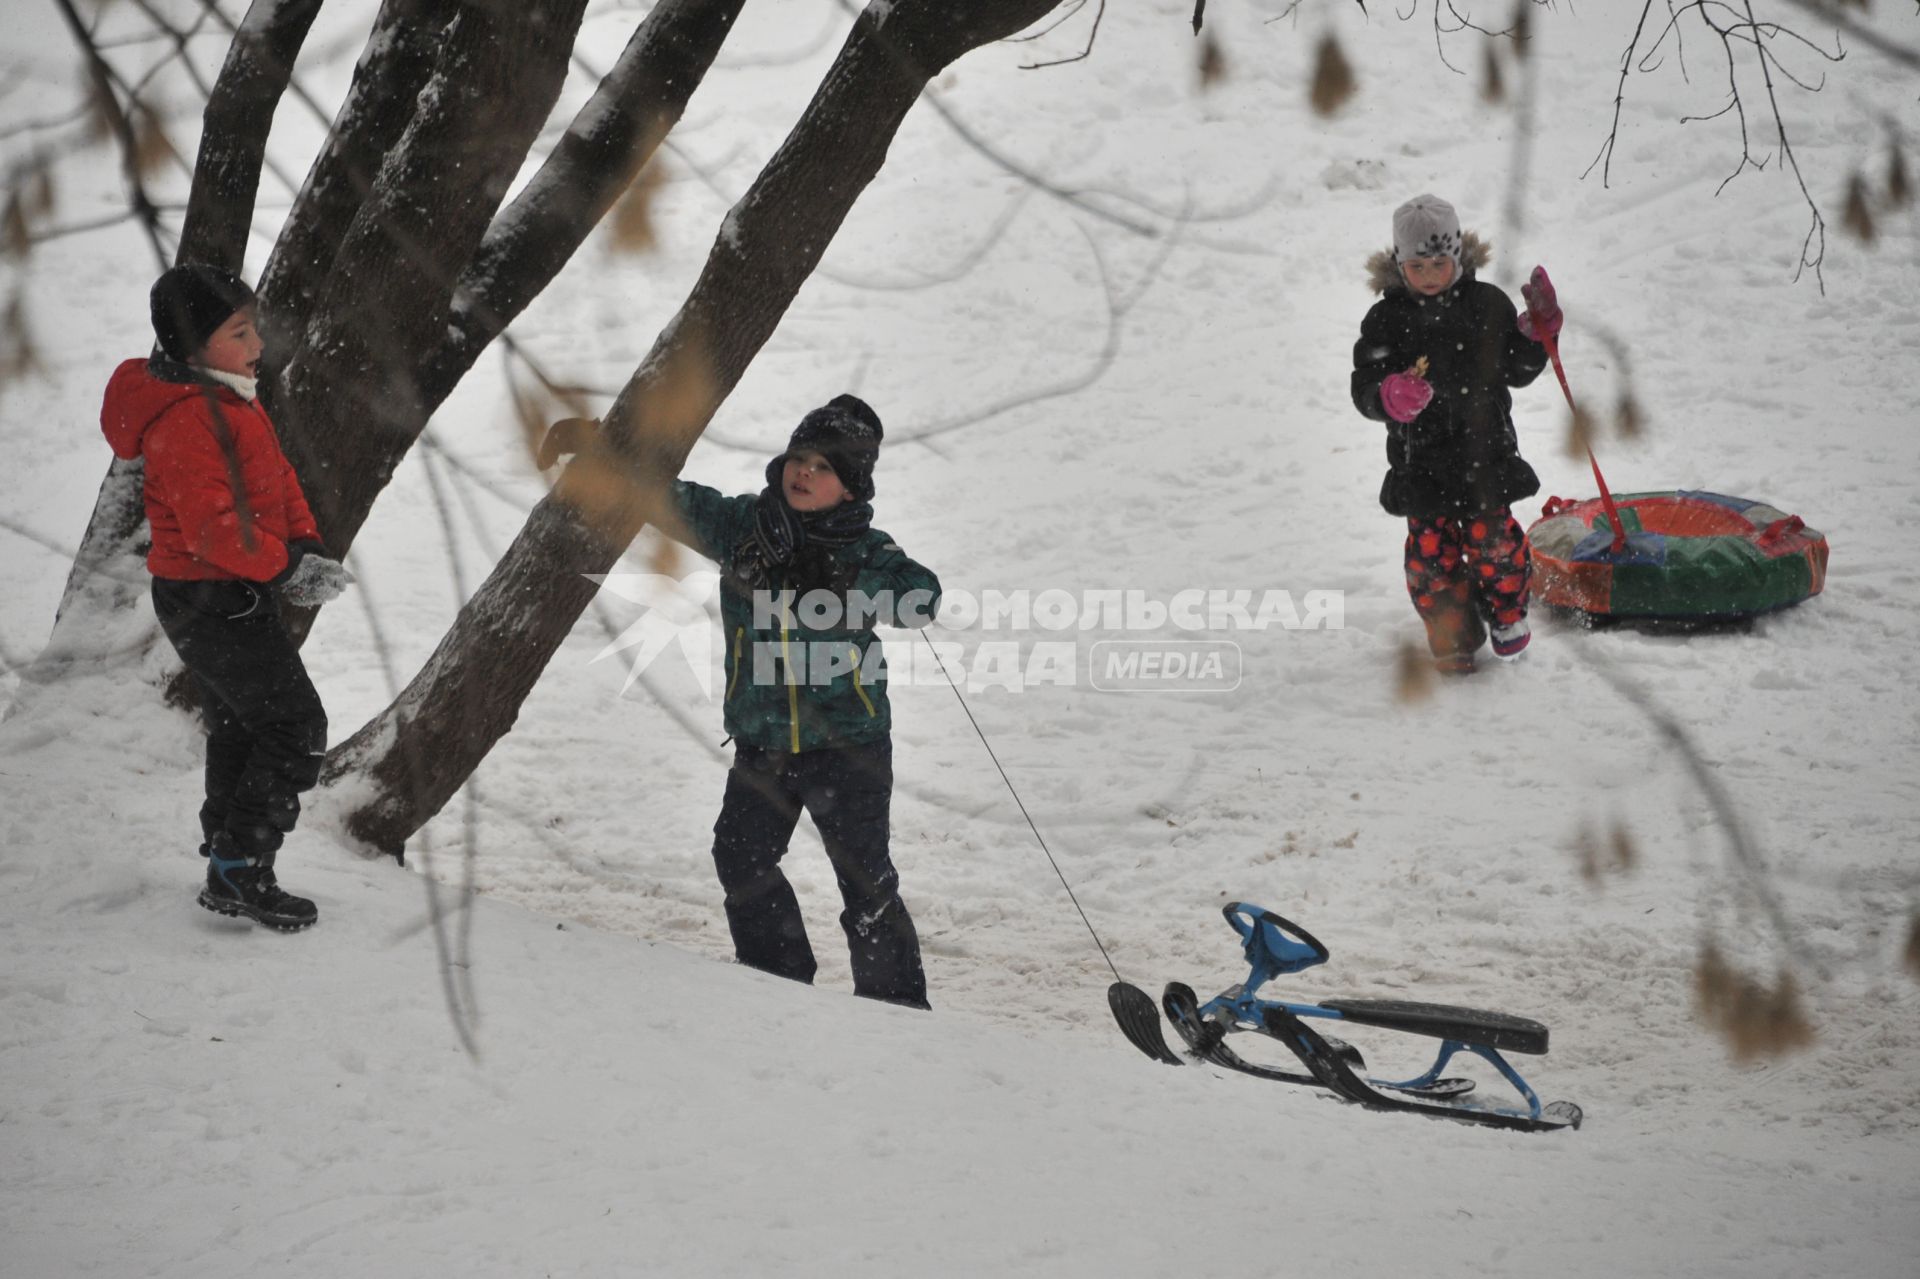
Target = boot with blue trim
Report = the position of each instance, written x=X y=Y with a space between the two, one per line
x=237 y=885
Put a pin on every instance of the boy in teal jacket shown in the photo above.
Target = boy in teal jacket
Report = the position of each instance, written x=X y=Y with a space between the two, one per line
x=805 y=578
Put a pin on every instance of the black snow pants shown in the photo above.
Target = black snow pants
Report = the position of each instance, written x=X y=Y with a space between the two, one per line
x=266 y=728
x=847 y=791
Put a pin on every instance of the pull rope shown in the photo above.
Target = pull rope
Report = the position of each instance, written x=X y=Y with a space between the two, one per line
x=1552 y=342
x=1022 y=805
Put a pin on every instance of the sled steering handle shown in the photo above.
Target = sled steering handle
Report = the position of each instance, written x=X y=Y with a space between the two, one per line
x=1245 y=918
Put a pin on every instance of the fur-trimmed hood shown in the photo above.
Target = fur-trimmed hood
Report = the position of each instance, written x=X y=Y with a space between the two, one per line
x=1383 y=273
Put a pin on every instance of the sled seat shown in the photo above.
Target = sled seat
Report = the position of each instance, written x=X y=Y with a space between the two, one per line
x=1442 y=1021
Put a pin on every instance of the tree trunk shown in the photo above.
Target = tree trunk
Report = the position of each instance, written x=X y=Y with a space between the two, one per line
x=422 y=748
x=399 y=58
x=348 y=400
x=234 y=128
x=609 y=142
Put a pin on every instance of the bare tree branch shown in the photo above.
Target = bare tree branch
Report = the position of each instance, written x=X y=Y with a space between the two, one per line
x=102 y=78
x=1745 y=857
x=1740 y=33
x=612 y=137
x=1117 y=308
x=1905 y=55
x=1086 y=50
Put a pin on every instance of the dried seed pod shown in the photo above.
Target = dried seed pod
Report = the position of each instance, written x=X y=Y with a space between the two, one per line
x=1625 y=851
x=40 y=195
x=1899 y=190
x=631 y=225
x=1582 y=430
x=1912 y=956
x=1858 y=218
x=1586 y=852
x=664 y=557
x=1768 y=1022
x=15 y=238
x=1628 y=421
x=1333 y=81
x=1493 y=84
x=1213 y=63
x=1754 y=1020
x=151 y=146
x=1713 y=982
x=1413 y=675
x=1522 y=29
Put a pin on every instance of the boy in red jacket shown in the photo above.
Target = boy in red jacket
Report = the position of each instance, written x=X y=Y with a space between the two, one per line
x=231 y=529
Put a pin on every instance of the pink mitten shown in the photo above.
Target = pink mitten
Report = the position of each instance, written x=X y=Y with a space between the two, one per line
x=1403 y=395
x=1542 y=319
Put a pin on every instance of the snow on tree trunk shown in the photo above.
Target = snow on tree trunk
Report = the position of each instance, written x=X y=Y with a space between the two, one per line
x=101 y=622
x=422 y=748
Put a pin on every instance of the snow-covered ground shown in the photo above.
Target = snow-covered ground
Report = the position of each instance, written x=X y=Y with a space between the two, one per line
x=1079 y=409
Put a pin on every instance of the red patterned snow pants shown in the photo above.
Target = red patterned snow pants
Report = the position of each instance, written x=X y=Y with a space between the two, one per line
x=1464 y=571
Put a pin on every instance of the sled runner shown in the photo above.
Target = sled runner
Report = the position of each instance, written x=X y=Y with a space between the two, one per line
x=1274 y=946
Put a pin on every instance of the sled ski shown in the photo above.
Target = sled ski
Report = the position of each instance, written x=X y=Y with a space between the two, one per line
x=1274 y=946
x=1205 y=1036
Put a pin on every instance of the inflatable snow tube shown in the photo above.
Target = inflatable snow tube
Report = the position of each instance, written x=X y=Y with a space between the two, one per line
x=1687 y=555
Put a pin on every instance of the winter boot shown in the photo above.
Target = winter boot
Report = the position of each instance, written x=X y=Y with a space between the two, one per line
x=1509 y=641
x=236 y=886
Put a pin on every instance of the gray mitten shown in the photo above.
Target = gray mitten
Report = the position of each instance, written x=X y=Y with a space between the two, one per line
x=315 y=580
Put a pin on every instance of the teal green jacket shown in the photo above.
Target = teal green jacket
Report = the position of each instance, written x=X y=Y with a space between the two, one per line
x=794 y=686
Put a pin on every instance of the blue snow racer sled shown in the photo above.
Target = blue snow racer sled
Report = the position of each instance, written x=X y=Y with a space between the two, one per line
x=1274 y=946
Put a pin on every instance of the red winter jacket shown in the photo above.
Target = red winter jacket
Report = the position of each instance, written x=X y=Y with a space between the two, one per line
x=194 y=458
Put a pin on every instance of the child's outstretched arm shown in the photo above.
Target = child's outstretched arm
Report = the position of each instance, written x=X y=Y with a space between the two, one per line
x=708 y=520
x=904 y=591
x=702 y=518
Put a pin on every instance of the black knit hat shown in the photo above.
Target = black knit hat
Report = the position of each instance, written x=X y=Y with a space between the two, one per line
x=847 y=432
x=190 y=303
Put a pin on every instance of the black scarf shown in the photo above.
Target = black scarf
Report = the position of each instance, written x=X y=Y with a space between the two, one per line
x=813 y=565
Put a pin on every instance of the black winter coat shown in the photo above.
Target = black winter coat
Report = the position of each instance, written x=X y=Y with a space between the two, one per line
x=1460 y=456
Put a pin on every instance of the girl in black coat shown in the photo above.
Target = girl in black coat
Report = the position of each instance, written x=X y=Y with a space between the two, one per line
x=1436 y=356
